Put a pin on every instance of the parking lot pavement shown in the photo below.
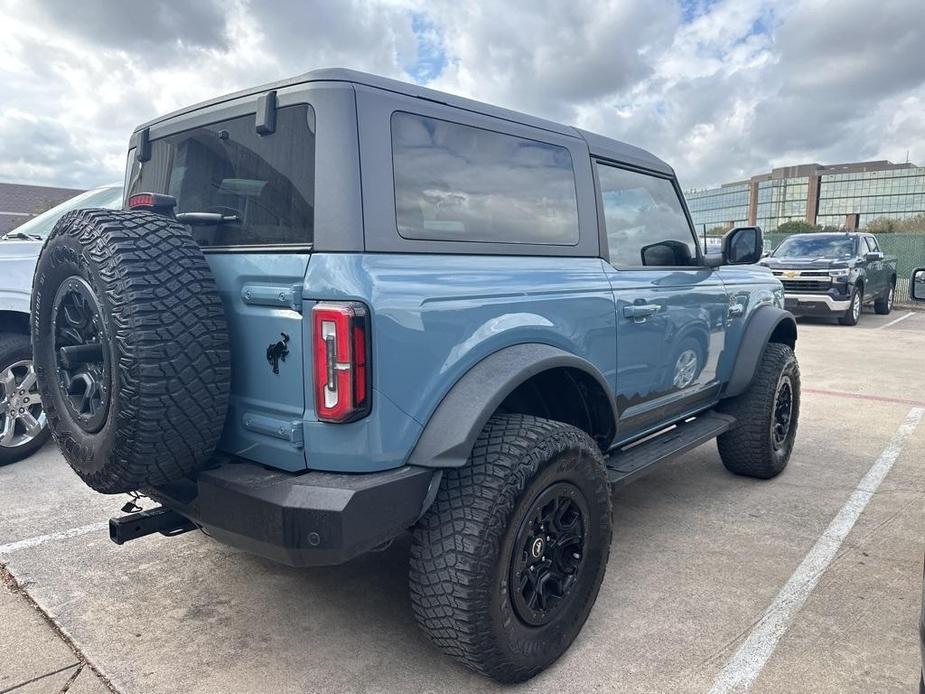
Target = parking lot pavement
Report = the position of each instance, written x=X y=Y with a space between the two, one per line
x=698 y=557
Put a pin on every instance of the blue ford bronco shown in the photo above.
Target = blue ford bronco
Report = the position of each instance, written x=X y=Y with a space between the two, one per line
x=339 y=307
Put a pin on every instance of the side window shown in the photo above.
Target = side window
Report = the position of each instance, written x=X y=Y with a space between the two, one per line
x=459 y=183
x=872 y=244
x=265 y=183
x=645 y=221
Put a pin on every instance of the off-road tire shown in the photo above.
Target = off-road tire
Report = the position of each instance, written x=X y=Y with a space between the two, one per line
x=850 y=317
x=748 y=447
x=14 y=348
x=162 y=325
x=884 y=305
x=461 y=554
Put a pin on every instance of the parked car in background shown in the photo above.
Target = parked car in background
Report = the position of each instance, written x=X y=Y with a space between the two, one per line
x=834 y=275
x=712 y=244
x=22 y=419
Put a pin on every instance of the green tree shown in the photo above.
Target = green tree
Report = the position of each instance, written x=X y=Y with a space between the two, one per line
x=889 y=225
x=882 y=225
x=796 y=226
x=915 y=224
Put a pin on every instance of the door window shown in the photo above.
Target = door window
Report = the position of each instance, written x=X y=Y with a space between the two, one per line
x=645 y=221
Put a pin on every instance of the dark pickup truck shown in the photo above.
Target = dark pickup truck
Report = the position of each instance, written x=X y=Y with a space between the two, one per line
x=834 y=275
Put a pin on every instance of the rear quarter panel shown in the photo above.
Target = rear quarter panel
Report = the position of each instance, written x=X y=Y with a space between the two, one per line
x=434 y=317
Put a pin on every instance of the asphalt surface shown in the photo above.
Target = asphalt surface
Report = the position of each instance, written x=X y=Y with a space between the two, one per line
x=700 y=559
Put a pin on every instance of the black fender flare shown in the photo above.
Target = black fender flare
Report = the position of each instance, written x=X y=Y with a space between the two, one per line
x=451 y=432
x=764 y=323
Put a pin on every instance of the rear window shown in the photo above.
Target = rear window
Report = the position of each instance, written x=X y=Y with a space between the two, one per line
x=459 y=183
x=267 y=181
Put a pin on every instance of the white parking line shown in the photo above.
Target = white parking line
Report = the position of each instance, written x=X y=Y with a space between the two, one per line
x=894 y=322
x=742 y=669
x=42 y=539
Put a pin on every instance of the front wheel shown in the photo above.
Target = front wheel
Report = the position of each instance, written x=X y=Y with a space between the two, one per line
x=507 y=563
x=853 y=314
x=760 y=442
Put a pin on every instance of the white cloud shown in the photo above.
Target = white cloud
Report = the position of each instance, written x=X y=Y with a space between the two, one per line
x=721 y=89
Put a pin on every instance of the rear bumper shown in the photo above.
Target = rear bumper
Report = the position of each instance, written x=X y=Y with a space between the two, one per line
x=308 y=519
x=815 y=304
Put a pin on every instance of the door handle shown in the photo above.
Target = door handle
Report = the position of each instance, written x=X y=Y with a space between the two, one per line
x=639 y=312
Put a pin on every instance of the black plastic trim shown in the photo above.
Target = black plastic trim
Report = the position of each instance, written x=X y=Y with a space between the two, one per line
x=265 y=119
x=452 y=430
x=308 y=519
x=142 y=145
x=757 y=333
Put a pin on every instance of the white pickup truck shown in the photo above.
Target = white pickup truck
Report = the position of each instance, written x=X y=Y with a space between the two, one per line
x=22 y=421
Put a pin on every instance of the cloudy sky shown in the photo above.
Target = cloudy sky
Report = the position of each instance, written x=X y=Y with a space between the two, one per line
x=722 y=89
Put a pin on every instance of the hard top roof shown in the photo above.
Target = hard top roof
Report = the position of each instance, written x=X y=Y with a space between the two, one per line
x=599 y=145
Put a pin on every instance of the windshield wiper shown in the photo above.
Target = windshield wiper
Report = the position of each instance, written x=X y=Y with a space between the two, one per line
x=21 y=235
x=206 y=218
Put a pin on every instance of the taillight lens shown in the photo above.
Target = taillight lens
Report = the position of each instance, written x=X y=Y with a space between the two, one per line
x=156 y=202
x=341 y=361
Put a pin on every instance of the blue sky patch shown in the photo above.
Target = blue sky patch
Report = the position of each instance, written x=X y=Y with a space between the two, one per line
x=431 y=57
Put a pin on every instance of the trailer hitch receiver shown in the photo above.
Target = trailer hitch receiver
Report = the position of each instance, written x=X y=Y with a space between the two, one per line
x=156 y=520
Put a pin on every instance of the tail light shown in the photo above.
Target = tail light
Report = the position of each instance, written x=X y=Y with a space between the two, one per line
x=341 y=361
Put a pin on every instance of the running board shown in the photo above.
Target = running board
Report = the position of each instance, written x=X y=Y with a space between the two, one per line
x=632 y=461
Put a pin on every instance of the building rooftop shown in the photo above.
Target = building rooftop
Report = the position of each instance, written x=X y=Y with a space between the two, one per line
x=19 y=202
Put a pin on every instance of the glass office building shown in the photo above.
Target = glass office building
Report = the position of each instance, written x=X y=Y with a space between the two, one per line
x=781 y=200
x=727 y=204
x=895 y=193
x=841 y=195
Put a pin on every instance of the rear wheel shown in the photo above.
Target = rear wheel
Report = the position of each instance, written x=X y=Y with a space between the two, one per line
x=853 y=314
x=507 y=563
x=884 y=305
x=760 y=442
x=131 y=348
x=23 y=426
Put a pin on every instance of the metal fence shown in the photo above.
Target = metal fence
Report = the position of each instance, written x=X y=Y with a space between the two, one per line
x=909 y=250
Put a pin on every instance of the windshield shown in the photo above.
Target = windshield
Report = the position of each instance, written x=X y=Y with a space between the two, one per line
x=40 y=226
x=815 y=247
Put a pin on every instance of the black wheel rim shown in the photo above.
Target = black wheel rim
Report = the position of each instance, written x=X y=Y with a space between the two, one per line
x=782 y=419
x=81 y=354
x=548 y=553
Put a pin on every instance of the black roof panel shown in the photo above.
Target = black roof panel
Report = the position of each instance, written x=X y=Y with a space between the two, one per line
x=599 y=145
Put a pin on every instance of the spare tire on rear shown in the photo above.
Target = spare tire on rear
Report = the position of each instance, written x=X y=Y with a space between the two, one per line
x=131 y=348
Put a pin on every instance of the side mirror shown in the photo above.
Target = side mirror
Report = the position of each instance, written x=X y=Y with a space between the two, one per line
x=873 y=256
x=743 y=246
x=917 y=285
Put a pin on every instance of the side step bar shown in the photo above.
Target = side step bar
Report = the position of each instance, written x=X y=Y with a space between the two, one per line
x=156 y=520
x=632 y=461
